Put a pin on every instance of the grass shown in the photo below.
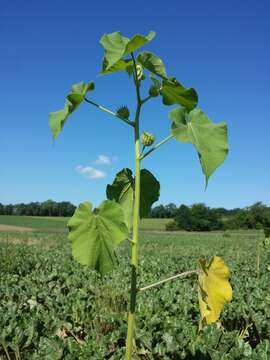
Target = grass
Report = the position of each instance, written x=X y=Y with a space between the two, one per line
x=58 y=224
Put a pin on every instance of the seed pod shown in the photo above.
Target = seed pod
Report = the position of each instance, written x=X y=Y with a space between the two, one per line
x=153 y=91
x=123 y=112
x=147 y=139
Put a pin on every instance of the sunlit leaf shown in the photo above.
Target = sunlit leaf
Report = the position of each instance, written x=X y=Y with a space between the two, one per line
x=214 y=289
x=120 y=65
x=117 y=46
x=175 y=93
x=95 y=234
x=152 y=63
x=58 y=118
x=210 y=139
x=123 y=188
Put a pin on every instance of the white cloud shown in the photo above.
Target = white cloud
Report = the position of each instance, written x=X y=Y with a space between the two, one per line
x=90 y=172
x=103 y=160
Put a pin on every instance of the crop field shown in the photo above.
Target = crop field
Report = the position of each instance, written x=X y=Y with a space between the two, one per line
x=53 y=308
x=59 y=224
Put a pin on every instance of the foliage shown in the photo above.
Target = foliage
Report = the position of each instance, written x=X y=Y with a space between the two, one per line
x=54 y=308
x=95 y=234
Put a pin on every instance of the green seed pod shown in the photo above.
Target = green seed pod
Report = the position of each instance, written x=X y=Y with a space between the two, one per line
x=123 y=112
x=153 y=91
x=147 y=139
x=139 y=70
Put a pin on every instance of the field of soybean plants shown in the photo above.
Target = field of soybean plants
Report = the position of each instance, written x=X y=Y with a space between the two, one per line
x=54 y=308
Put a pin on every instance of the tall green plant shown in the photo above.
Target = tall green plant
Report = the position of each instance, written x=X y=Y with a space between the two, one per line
x=95 y=234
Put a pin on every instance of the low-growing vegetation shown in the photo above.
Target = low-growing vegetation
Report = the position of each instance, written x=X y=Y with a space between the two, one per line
x=53 y=308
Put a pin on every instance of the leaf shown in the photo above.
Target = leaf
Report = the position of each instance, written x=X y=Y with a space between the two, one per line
x=122 y=191
x=175 y=93
x=120 y=65
x=117 y=46
x=58 y=118
x=152 y=63
x=214 y=289
x=150 y=191
x=210 y=140
x=95 y=234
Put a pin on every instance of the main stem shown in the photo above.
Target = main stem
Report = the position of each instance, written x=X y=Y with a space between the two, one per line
x=136 y=221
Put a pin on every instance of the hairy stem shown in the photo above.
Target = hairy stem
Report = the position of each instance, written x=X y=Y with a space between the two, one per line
x=181 y=275
x=108 y=111
x=157 y=146
x=136 y=220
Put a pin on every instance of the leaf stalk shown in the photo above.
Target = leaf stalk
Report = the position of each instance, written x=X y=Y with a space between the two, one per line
x=108 y=111
x=157 y=146
x=177 y=276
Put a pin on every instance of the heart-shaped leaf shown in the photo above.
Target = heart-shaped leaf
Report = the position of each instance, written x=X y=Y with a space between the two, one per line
x=214 y=289
x=117 y=46
x=152 y=63
x=122 y=191
x=58 y=118
x=123 y=188
x=95 y=234
x=175 y=93
x=210 y=140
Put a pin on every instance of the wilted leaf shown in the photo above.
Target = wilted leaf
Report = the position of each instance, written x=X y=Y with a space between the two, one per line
x=95 y=234
x=152 y=63
x=123 y=188
x=58 y=118
x=214 y=289
x=117 y=46
x=175 y=93
x=210 y=139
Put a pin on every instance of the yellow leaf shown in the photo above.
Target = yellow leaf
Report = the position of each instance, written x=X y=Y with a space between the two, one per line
x=214 y=289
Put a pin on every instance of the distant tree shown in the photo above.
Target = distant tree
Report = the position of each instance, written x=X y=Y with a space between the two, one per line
x=158 y=212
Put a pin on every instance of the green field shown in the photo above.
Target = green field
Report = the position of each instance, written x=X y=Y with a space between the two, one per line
x=53 y=308
x=59 y=224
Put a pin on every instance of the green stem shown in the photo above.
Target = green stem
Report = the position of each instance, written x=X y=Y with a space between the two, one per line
x=108 y=111
x=146 y=99
x=181 y=275
x=157 y=146
x=136 y=220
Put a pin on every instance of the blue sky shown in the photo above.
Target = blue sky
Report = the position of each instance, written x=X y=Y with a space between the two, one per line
x=221 y=48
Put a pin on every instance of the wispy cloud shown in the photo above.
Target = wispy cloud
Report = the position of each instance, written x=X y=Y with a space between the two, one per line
x=90 y=172
x=103 y=160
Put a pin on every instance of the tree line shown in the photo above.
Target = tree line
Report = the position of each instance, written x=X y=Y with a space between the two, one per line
x=199 y=217
x=46 y=208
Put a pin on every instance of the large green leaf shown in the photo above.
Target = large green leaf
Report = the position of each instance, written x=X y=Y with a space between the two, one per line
x=175 y=93
x=152 y=63
x=150 y=190
x=117 y=46
x=123 y=188
x=58 y=118
x=95 y=234
x=122 y=191
x=120 y=65
x=210 y=139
